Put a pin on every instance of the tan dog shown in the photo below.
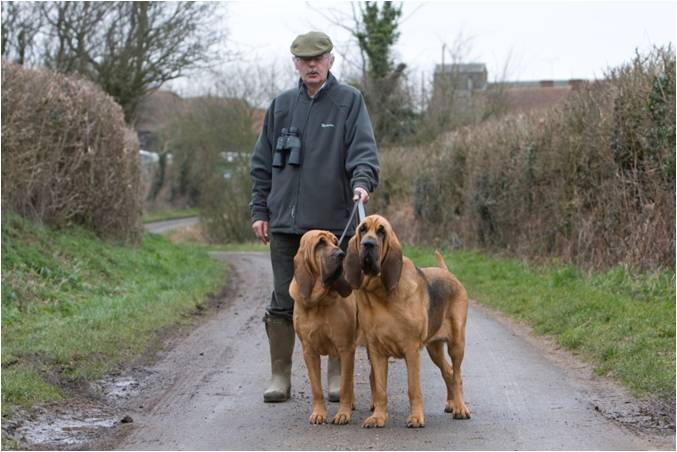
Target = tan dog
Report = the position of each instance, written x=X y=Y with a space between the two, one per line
x=325 y=318
x=402 y=308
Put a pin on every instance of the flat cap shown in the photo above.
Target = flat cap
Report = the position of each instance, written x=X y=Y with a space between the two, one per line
x=311 y=44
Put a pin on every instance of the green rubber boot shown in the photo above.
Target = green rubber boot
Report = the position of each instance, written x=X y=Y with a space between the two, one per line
x=334 y=379
x=281 y=339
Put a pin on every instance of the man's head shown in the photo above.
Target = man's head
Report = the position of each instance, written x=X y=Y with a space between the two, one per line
x=313 y=58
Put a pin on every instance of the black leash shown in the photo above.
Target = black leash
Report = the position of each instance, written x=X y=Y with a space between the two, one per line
x=357 y=205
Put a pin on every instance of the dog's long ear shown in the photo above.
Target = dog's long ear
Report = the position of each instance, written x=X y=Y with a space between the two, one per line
x=304 y=277
x=342 y=287
x=391 y=268
x=352 y=268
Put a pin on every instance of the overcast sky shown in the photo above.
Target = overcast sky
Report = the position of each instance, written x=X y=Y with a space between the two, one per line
x=536 y=40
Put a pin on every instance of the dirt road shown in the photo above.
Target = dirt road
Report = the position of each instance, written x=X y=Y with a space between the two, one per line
x=159 y=227
x=205 y=394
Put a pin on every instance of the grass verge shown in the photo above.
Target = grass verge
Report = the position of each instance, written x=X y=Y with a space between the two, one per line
x=169 y=214
x=622 y=322
x=74 y=307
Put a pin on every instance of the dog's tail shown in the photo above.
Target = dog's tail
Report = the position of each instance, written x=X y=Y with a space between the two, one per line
x=440 y=260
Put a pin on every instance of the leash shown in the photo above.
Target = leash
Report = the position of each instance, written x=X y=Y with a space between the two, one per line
x=358 y=207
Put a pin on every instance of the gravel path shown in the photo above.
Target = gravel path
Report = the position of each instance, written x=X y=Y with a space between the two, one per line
x=206 y=393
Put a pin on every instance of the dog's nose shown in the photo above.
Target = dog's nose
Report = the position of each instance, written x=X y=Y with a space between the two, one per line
x=369 y=243
x=340 y=254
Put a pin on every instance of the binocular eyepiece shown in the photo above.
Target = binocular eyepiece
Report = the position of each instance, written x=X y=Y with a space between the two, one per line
x=289 y=140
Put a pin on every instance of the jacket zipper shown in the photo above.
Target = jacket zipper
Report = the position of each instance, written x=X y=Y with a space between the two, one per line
x=298 y=184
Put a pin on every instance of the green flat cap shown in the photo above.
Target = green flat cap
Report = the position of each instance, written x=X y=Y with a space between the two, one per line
x=311 y=44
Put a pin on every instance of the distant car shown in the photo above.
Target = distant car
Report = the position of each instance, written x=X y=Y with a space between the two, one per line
x=148 y=158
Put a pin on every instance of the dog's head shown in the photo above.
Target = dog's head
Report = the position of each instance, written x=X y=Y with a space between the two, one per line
x=374 y=250
x=319 y=259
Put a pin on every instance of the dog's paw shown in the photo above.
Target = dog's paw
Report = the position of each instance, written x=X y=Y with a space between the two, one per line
x=342 y=418
x=318 y=418
x=415 y=421
x=374 y=421
x=459 y=411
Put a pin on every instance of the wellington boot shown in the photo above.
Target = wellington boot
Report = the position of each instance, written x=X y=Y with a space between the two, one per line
x=281 y=339
x=334 y=379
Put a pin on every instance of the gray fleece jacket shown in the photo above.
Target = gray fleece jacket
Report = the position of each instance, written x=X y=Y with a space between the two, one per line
x=338 y=154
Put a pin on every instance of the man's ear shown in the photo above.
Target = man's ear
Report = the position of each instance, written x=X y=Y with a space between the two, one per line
x=391 y=268
x=304 y=277
x=342 y=287
x=352 y=269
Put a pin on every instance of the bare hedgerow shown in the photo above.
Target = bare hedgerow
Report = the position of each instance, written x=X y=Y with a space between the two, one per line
x=591 y=181
x=67 y=156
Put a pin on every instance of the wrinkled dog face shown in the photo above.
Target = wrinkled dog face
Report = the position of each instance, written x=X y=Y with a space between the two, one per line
x=329 y=258
x=373 y=251
x=318 y=257
x=372 y=233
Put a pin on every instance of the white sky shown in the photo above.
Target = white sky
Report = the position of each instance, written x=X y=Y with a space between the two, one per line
x=537 y=40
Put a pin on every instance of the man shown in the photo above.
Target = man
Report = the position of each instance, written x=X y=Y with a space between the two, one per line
x=316 y=155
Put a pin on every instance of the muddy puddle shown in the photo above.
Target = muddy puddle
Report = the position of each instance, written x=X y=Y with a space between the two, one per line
x=75 y=425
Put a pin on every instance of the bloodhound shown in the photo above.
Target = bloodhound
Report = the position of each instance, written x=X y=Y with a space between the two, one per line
x=402 y=308
x=325 y=318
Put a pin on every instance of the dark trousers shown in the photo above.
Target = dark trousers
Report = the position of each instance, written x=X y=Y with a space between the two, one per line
x=283 y=248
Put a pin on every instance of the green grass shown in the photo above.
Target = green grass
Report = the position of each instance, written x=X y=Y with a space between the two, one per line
x=623 y=322
x=74 y=307
x=169 y=214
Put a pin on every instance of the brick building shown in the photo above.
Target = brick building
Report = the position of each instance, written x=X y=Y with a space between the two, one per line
x=461 y=82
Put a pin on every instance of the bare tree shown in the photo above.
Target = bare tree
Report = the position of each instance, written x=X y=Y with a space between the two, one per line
x=129 y=48
x=375 y=28
x=21 y=22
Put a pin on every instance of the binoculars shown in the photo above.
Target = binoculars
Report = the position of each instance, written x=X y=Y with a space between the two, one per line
x=289 y=140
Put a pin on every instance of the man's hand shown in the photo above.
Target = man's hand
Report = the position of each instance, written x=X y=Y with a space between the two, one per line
x=260 y=228
x=360 y=194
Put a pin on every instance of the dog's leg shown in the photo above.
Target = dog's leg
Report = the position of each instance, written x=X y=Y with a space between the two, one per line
x=456 y=351
x=379 y=395
x=371 y=381
x=413 y=360
x=319 y=414
x=345 y=410
x=436 y=352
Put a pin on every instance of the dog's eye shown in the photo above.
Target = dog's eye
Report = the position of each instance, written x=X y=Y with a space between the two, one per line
x=381 y=231
x=364 y=229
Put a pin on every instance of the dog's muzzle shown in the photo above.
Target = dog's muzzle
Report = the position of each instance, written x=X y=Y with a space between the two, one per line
x=369 y=258
x=334 y=267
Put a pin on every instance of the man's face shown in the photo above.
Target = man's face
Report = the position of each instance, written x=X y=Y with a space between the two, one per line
x=314 y=70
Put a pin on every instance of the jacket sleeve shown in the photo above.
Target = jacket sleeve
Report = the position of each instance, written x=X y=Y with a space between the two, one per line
x=362 y=154
x=261 y=169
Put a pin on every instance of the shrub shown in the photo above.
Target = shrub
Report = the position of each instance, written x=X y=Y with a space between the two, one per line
x=67 y=156
x=591 y=181
x=211 y=139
